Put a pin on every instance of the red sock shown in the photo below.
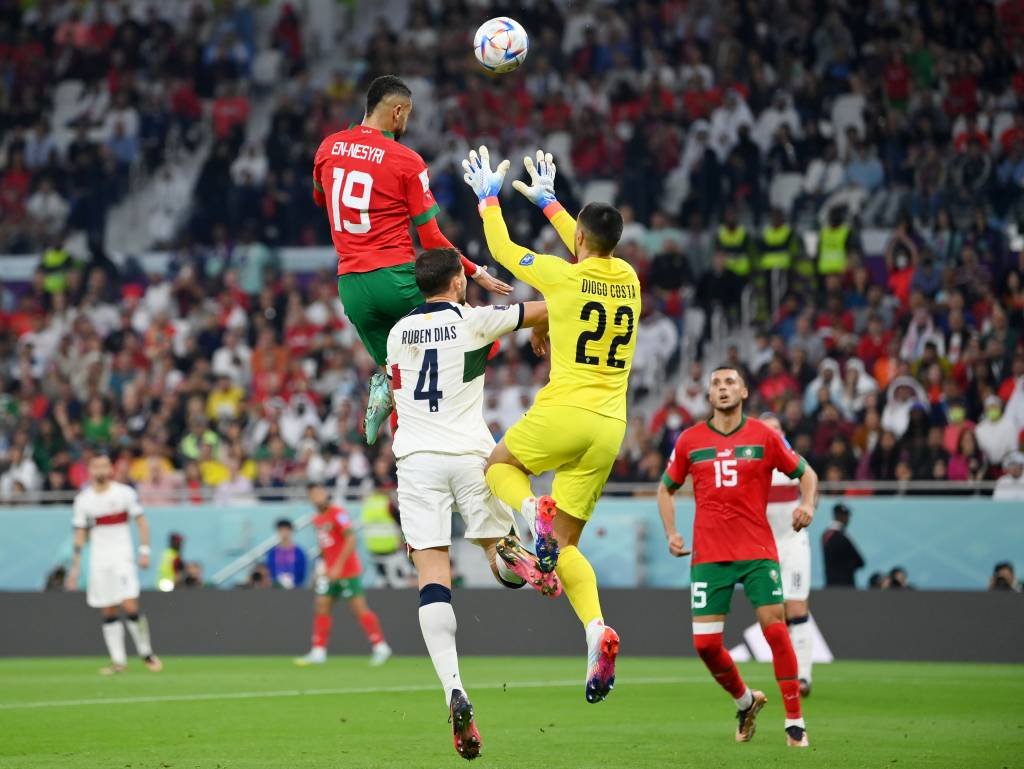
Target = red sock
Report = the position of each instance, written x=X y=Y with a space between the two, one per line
x=784 y=660
x=371 y=626
x=321 y=629
x=718 y=660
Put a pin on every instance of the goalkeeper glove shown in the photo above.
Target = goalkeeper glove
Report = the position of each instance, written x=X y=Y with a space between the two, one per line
x=541 y=191
x=485 y=182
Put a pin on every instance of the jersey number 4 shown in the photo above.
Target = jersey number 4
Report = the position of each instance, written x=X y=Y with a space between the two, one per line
x=343 y=192
x=426 y=385
x=623 y=317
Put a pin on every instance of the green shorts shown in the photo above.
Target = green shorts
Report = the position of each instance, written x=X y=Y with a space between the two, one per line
x=339 y=588
x=375 y=301
x=711 y=584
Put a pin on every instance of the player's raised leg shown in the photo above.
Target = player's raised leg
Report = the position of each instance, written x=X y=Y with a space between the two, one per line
x=509 y=479
x=368 y=621
x=113 y=637
x=138 y=629
x=438 y=625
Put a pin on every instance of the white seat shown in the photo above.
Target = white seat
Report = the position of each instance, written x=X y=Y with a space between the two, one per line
x=847 y=111
x=1002 y=122
x=600 y=191
x=784 y=190
x=559 y=144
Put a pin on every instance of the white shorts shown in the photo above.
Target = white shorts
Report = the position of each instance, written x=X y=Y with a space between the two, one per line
x=431 y=486
x=795 y=561
x=111 y=582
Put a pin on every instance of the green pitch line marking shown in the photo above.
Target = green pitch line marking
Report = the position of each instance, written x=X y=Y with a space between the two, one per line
x=325 y=692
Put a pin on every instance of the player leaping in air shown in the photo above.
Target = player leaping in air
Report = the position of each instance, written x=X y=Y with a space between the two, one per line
x=576 y=424
x=731 y=459
x=371 y=187
x=436 y=359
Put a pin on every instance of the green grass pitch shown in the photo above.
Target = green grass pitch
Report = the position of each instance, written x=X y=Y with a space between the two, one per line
x=260 y=712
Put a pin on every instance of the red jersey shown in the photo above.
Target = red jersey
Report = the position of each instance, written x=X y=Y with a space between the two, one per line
x=333 y=529
x=372 y=187
x=732 y=478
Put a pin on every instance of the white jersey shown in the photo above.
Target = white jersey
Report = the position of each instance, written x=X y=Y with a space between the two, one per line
x=783 y=497
x=437 y=355
x=106 y=515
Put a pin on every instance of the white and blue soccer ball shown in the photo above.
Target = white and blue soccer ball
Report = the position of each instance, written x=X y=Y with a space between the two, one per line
x=501 y=44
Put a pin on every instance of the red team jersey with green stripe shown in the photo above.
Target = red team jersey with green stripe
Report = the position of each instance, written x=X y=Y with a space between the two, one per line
x=372 y=186
x=333 y=528
x=732 y=477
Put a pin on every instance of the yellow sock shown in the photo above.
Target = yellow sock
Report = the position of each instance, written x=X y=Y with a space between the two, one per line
x=509 y=484
x=580 y=584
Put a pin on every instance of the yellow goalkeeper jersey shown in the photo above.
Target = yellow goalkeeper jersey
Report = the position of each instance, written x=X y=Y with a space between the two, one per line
x=593 y=311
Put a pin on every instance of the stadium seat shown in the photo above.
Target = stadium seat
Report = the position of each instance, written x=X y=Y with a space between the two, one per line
x=784 y=190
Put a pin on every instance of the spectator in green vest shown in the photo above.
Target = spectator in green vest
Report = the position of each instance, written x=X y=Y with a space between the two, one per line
x=733 y=240
x=835 y=242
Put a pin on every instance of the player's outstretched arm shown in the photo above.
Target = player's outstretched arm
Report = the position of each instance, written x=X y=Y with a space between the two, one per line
x=143 y=524
x=541 y=192
x=667 y=511
x=537 y=270
x=535 y=314
x=430 y=236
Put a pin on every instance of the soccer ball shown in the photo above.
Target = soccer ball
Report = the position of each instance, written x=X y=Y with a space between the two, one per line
x=501 y=44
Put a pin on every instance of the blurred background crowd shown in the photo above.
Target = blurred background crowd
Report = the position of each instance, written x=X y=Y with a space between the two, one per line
x=823 y=194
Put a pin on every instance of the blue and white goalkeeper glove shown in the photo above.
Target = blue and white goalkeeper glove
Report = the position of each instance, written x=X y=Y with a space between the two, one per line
x=485 y=182
x=541 y=191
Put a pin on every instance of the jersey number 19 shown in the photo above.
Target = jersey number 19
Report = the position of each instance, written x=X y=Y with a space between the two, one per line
x=343 y=191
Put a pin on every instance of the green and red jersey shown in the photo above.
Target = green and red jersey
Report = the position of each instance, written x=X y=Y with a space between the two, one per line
x=333 y=528
x=371 y=187
x=732 y=478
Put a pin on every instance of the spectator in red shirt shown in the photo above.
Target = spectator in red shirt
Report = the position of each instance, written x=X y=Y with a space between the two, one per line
x=874 y=343
x=778 y=386
x=230 y=111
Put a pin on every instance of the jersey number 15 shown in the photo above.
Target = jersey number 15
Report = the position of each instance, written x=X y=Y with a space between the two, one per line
x=343 y=192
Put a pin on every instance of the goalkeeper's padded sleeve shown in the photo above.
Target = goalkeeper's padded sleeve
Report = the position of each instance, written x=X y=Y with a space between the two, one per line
x=430 y=236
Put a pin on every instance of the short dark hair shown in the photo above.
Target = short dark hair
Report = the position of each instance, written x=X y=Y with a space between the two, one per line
x=283 y=523
x=435 y=269
x=725 y=367
x=381 y=88
x=602 y=225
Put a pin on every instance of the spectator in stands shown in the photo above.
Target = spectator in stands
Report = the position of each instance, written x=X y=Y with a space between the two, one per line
x=996 y=434
x=842 y=559
x=1003 y=578
x=899 y=579
x=968 y=462
x=286 y=561
x=1010 y=487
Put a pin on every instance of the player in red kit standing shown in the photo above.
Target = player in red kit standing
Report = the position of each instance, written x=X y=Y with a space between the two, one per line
x=731 y=459
x=371 y=187
x=342 y=579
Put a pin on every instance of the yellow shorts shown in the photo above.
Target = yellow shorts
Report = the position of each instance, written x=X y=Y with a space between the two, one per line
x=579 y=445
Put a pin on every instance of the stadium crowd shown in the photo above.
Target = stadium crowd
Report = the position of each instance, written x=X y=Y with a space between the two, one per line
x=725 y=131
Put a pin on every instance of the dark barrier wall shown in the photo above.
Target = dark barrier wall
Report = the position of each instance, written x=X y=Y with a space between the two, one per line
x=889 y=625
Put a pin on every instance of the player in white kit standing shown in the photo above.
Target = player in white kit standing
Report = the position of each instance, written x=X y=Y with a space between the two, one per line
x=795 y=561
x=102 y=511
x=436 y=357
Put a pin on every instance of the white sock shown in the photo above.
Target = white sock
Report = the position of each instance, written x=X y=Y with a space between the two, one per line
x=803 y=646
x=318 y=652
x=113 y=636
x=438 y=625
x=594 y=630
x=529 y=512
x=139 y=630
x=506 y=573
x=745 y=700
x=794 y=722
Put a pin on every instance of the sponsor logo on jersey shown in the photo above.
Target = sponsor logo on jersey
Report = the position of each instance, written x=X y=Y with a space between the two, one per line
x=527 y=260
x=725 y=453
